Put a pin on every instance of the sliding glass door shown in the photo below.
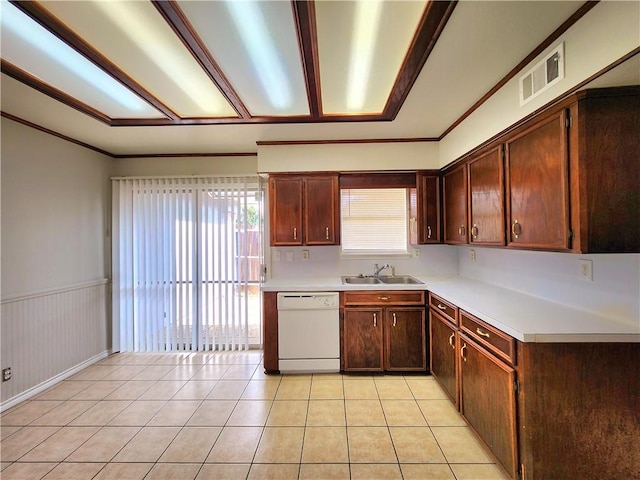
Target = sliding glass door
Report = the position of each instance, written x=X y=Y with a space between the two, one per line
x=186 y=263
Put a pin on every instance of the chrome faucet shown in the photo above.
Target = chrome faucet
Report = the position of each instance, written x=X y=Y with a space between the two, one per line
x=377 y=269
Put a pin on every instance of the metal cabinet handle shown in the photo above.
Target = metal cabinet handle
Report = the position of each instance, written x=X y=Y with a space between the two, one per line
x=383 y=298
x=453 y=335
x=462 y=352
x=441 y=307
x=295 y=233
x=327 y=232
x=428 y=232
x=375 y=319
x=480 y=332
x=516 y=229
x=461 y=230
x=474 y=231
x=395 y=320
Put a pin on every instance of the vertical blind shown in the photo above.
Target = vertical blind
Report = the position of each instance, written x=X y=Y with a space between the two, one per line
x=185 y=251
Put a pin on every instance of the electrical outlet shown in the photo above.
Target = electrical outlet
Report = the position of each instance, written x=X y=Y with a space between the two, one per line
x=276 y=255
x=586 y=269
x=472 y=255
x=6 y=374
x=305 y=254
x=416 y=252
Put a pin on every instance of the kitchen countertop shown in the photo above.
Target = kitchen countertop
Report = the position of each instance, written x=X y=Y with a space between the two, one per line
x=524 y=317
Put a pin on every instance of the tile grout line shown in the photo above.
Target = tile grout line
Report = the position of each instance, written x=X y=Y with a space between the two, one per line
x=201 y=401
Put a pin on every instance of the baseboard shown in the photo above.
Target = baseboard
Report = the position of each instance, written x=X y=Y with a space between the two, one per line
x=33 y=391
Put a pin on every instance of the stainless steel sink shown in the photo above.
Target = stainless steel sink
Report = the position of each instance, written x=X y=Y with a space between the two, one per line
x=400 y=279
x=361 y=280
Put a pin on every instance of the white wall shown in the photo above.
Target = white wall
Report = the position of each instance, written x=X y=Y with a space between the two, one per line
x=55 y=256
x=56 y=197
x=614 y=291
x=55 y=212
x=348 y=156
x=605 y=34
x=160 y=166
x=323 y=262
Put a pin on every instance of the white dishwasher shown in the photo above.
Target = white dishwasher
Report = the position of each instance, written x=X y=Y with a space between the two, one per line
x=308 y=332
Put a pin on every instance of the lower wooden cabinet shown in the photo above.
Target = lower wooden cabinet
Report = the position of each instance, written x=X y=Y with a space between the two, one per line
x=383 y=331
x=444 y=354
x=474 y=364
x=405 y=339
x=579 y=410
x=362 y=340
x=545 y=410
x=270 y=331
x=488 y=401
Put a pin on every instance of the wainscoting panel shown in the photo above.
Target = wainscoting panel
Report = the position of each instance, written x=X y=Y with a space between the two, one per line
x=45 y=336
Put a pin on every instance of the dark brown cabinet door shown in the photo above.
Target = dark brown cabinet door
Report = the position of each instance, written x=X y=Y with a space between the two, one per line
x=428 y=206
x=285 y=210
x=405 y=339
x=455 y=206
x=486 y=187
x=444 y=354
x=605 y=199
x=488 y=401
x=321 y=217
x=537 y=186
x=363 y=348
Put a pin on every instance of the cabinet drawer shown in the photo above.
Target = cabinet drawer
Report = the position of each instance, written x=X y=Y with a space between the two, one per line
x=377 y=297
x=444 y=308
x=490 y=337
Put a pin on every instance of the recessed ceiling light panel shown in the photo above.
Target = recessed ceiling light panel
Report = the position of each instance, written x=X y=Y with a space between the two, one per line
x=361 y=46
x=134 y=36
x=255 y=44
x=32 y=48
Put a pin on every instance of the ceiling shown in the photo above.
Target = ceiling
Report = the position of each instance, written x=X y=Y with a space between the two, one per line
x=179 y=77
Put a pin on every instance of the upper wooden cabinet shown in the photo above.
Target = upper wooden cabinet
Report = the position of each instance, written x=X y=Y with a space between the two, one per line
x=572 y=175
x=486 y=198
x=321 y=210
x=455 y=206
x=570 y=180
x=285 y=210
x=428 y=208
x=304 y=210
x=537 y=185
x=604 y=170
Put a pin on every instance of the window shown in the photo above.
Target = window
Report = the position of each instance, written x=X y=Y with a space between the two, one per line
x=374 y=220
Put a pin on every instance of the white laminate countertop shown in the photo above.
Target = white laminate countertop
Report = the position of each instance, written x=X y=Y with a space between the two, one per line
x=524 y=317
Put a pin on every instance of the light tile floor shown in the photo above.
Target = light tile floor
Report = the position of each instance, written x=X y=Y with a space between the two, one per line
x=189 y=416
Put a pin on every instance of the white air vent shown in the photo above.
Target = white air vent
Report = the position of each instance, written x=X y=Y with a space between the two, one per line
x=547 y=72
